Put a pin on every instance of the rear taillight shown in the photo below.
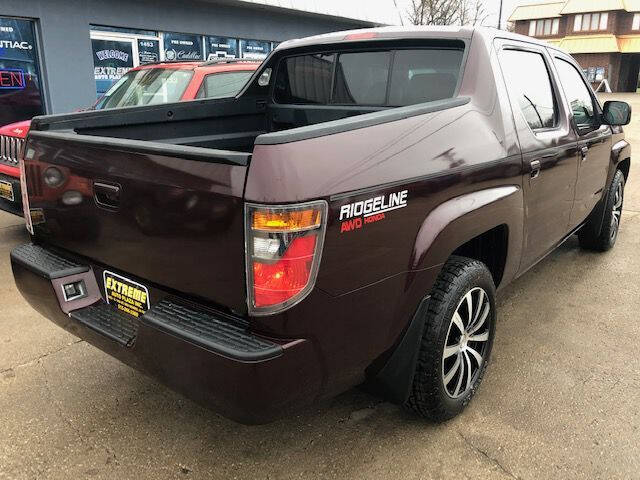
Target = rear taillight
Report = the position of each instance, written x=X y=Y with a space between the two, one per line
x=23 y=188
x=283 y=250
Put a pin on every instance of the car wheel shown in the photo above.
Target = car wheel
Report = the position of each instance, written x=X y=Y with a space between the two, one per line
x=608 y=234
x=456 y=341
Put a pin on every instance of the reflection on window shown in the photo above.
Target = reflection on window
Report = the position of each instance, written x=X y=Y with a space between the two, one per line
x=528 y=81
x=147 y=87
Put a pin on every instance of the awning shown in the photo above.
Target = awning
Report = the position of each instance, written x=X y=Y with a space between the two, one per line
x=629 y=44
x=585 y=6
x=549 y=9
x=606 y=43
x=632 y=5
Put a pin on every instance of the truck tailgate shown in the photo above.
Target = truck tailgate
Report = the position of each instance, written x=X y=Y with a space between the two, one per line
x=168 y=215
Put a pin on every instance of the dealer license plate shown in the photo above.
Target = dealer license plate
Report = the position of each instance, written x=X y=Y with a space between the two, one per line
x=6 y=191
x=126 y=295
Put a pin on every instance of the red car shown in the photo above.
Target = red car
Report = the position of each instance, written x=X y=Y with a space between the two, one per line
x=145 y=85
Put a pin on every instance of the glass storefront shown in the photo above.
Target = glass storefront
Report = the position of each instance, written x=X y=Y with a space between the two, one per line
x=21 y=96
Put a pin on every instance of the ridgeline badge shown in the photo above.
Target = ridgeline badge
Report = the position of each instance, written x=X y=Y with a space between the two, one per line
x=354 y=215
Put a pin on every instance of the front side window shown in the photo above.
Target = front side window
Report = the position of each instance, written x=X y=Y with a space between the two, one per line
x=528 y=80
x=363 y=78
x=149 y=86
x=221 y=85
x=578 y=96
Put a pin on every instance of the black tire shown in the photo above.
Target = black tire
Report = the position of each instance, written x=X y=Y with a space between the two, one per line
x=591 y=236
x=429 y=396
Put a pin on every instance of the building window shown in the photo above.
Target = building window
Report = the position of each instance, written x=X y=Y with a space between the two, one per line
x=545 y=27
x=589 y=22
x=636 y=21
x=20 y=77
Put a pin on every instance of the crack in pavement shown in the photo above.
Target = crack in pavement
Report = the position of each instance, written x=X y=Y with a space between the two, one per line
x=488 y=457
x=37 y=359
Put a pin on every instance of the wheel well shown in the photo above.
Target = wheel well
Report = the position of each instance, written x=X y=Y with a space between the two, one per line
x=624 y=167
x=490 y=248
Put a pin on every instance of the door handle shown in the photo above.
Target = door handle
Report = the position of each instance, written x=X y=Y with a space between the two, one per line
x=107 y=195
x=535 y=169
x=584 y=151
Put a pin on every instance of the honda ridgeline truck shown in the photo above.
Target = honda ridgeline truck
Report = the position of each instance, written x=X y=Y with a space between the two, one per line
x=346 y=218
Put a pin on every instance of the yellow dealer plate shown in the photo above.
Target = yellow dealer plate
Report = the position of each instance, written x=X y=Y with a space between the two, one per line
x=128 y=296
x=6 y=191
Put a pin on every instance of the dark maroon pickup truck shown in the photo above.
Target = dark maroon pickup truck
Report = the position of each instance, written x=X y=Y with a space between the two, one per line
x=347 y=218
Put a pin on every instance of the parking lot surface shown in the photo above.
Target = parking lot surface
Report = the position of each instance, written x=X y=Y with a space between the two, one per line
x=560 y=399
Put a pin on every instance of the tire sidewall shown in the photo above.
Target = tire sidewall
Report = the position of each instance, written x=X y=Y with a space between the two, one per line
x=609 y=242
x=478 y=276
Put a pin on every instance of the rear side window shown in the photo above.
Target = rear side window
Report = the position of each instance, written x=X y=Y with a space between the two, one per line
x=528 y=81
x=580 y=100
x=220 y=85
x=376 y=78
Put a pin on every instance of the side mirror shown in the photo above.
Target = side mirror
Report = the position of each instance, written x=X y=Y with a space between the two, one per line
x=616 y=113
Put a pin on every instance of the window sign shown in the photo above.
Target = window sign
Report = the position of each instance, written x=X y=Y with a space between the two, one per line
x=591 y=76
x=182 y=47
x=221 y=47
x=20 y=82
x=111 y=60
x=148 y=51
x=254 y=49
x=599 y=74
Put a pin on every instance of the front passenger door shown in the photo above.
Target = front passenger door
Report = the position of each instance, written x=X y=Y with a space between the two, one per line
x=594 y=140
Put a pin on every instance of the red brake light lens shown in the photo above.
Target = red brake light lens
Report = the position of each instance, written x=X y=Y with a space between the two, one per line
x=276 y=283
x=284 y=245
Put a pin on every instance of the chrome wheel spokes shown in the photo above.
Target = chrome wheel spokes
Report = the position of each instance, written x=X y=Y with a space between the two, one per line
x=617 y=209
x=466 y=343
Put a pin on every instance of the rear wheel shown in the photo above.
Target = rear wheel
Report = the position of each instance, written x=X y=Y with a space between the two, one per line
x=457 y=340
x=606 y=238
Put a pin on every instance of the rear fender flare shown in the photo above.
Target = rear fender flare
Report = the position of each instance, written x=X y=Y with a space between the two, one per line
x=462 y=218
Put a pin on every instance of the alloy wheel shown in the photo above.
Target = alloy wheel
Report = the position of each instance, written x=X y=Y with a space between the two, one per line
x=466 y=343
x=617 y=209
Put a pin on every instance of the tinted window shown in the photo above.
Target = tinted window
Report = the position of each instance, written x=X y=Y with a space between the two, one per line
x=424 y=76
x=528 y=80
x=361 y=78
x=305 y=79
x=577 y=94
x=220 y=85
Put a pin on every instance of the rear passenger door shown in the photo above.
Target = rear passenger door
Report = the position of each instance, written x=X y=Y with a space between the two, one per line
x=594 y=139
x=548 y=143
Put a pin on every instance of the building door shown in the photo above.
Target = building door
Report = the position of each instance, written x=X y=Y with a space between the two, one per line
x=21 y=95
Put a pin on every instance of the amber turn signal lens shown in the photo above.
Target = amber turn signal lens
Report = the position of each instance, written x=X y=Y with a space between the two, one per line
x=290 y=221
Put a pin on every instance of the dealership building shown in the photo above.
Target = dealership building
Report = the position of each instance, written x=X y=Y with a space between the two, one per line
x=60 y=55
x=602 y=35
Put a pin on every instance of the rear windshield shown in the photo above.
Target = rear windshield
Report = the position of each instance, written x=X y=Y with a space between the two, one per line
x=377 y=78
x=147 y=87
